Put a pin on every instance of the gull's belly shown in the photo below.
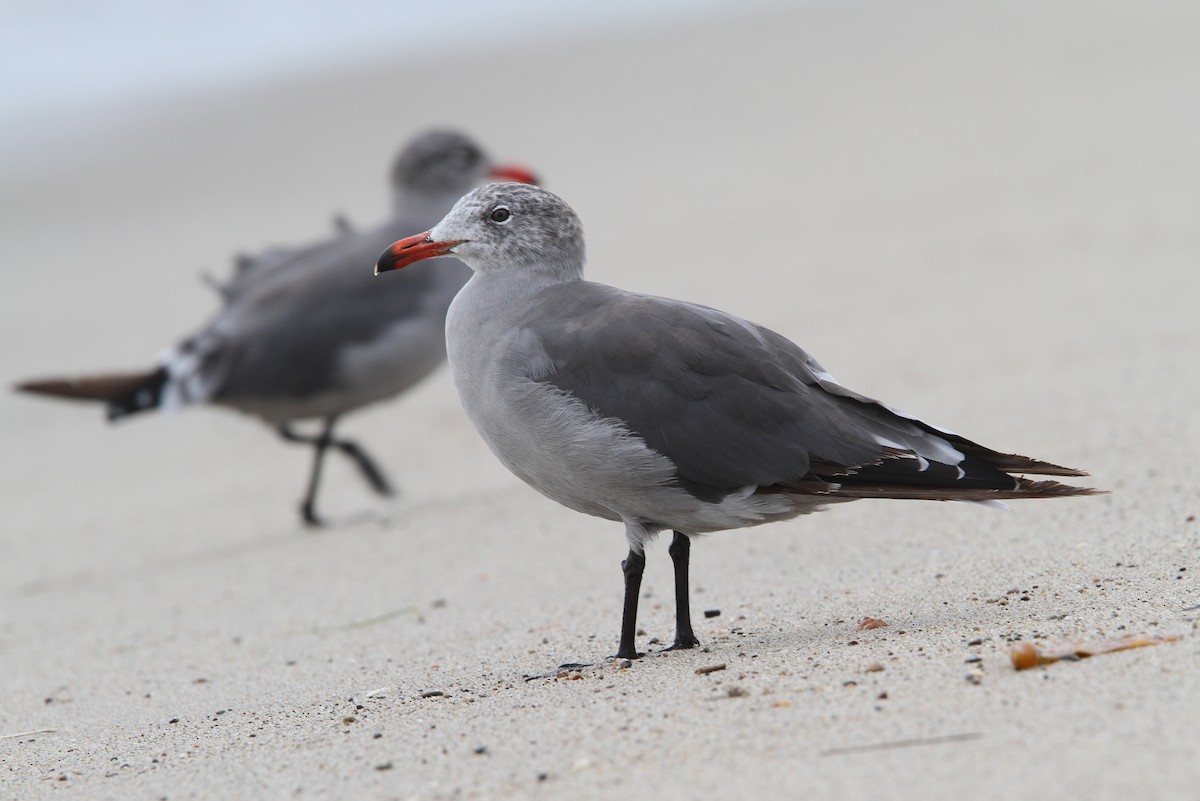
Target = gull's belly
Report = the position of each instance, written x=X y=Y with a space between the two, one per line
x=558 y=446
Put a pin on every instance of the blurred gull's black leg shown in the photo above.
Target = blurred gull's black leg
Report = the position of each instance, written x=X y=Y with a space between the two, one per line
x=320 y=443
x=633 y=567
x=680 y=550
x=366 y=465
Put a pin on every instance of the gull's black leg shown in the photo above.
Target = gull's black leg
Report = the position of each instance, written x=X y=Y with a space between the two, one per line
x=320 y=443
x=680 y=550
x=366 y=465
x=633 y=567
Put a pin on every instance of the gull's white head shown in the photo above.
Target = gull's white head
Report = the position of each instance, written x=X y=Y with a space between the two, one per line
x=506 y=227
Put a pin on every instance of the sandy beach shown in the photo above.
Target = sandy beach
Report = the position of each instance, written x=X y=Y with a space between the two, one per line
x=985 y=214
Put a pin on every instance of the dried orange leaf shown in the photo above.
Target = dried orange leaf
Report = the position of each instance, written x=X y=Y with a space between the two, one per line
x=870 y=623
x=1026 y=655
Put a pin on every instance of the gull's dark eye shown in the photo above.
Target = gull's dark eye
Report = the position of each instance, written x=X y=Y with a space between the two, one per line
x=499 y=214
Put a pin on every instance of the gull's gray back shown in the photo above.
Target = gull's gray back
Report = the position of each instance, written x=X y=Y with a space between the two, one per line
x=507 y=346
x=308 y=332
x=313 y=333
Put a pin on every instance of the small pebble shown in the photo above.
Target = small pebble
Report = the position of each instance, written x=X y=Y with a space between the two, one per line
x=703 y=671
x=384 y=766
x=712 y=612
x=432 y=694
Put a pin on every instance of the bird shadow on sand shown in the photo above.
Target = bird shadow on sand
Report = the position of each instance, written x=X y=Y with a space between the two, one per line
x=358 y=522
x=823 y=642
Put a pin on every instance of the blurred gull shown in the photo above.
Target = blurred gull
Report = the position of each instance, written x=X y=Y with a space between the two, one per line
x=667 y=415
x=303 y=333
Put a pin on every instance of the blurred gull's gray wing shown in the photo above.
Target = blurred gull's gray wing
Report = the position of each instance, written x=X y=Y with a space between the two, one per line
x=733 y=404
x=286 y=329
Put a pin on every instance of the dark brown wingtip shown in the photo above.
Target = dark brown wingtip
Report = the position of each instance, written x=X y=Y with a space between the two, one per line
x=1048 y=469
x=1025 y=489
x=1016 y=463
x=1053 y=489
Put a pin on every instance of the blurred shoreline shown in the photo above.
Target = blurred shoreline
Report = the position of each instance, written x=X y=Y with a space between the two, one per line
x=65 y=73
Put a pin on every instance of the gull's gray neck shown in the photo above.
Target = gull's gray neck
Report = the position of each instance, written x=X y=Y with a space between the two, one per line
x=491 y=300
x=483 y=318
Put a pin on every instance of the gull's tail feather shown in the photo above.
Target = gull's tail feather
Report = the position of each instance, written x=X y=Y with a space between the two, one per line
x=124 y=393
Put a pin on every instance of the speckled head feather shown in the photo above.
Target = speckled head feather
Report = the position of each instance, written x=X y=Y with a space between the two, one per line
x=438 y=162
x=514 y=227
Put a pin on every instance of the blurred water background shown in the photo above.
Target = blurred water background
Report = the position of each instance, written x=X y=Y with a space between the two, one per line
x=70 y=66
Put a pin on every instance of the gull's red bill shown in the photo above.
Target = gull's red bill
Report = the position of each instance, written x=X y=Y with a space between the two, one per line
x=512 y=172
x=410 y=250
